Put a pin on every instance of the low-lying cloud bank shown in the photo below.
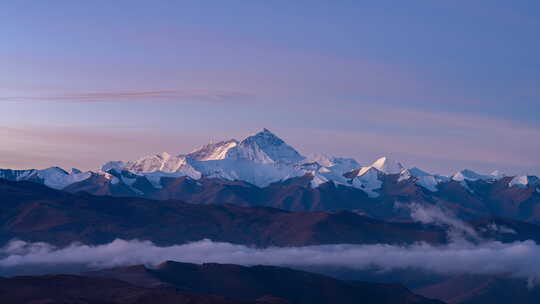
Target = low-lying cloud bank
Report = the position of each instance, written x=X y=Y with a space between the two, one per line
x=518 y=259
x=467 y=253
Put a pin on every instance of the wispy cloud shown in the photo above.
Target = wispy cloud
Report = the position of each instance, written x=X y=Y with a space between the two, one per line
x=456 y=229
x=134 y=95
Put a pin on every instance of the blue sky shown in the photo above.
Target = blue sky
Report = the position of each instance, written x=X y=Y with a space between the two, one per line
x=440 y=85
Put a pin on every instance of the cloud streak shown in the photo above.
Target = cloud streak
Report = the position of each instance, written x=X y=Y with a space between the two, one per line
x=125 y=96
x=457 y=230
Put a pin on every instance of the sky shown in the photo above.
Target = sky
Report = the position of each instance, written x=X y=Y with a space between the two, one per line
x=441 y=85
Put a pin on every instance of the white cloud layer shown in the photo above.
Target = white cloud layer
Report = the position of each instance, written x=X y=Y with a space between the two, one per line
x=518 y=259
x=466 y=254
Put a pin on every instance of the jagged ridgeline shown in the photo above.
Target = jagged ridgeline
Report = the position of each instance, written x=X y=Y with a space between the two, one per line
x=263 y=170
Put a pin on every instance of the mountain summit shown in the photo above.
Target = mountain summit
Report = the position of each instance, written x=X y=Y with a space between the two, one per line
x=265 y=147
x=387 y=165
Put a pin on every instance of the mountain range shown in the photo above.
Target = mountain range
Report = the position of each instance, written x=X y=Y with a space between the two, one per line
x=262 y=194
x=33 y=212
x=263 y=170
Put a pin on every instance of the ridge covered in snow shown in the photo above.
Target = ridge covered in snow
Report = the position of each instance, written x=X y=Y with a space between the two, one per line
x=158 y=165
x=264 y=147
x=469 y=175
x=260 y=159
x=422 y=178
x=388 y=166
x=54 y=177
x=524 y=181
x=213 y=151
x=368 y=180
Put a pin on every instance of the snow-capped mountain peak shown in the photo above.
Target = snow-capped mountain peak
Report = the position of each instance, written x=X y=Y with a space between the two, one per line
x=265 y=147
x=322 y=159
x=213 y=151
x=417 y=172
x=368 y=181
x=387 y=165
x=422 y=178
x=115 y=165
x=523 y=181
x=498 y=174
x=339 y=164
x=58 y=178
x=469 y=175
x=265 y=135
x=163 y=164
x=154 y=167
x=158 y=162
x=17 y=175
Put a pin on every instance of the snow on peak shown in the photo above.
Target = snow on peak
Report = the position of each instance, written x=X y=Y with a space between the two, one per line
x=267 y=135
x=523 y=181
x=322 y=159
x=17 y=175
x=163 y=164
x=469 y=175
x=326 y=168
x=368 y=181
x=116 y=165
x=264 y=138
x=421 y=178
x=260 y=159
x=383 y=165
x=54 y=177
x=318 y=180
x=519 y=181
x=338 y=164
x=264 y=147
x=58 y=178
x=412 y=173
x=158 y=162
x=498 y=174
x=52 y=171
x=416 y=172
x=164 y=155
x=154 y=167
x=387 y=165
x=213 y=151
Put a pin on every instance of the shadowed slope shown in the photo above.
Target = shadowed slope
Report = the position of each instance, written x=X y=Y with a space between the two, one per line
x=33 y=212
x=249 y=283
